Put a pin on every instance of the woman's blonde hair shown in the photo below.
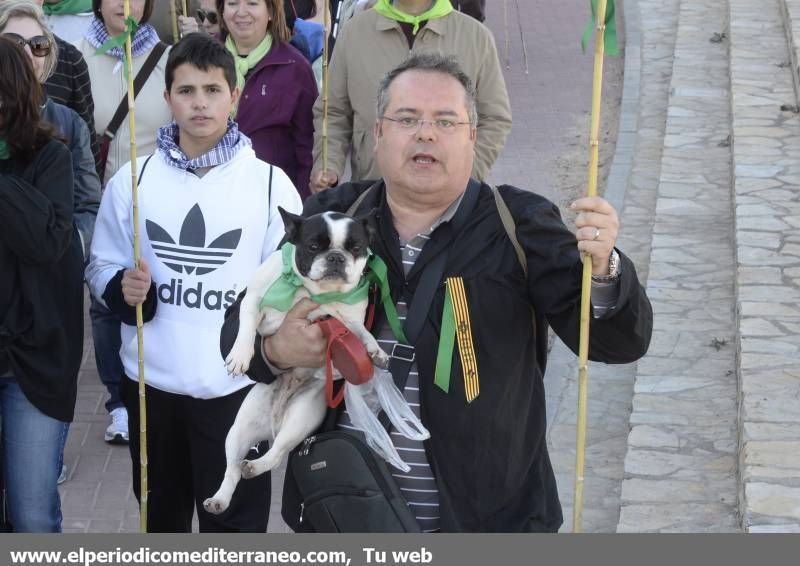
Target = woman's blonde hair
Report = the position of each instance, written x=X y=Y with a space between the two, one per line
x=27 y=9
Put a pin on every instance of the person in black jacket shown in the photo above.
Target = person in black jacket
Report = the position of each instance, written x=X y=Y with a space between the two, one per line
x=41 y=298
x=485 y=467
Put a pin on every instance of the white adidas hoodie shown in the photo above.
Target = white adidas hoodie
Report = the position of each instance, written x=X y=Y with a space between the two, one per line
x=203 y=238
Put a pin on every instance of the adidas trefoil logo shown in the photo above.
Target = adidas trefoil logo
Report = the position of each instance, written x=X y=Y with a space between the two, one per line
x=191 y=252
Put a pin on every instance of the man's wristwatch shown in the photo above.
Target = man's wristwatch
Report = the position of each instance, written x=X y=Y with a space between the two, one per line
x=613 y=270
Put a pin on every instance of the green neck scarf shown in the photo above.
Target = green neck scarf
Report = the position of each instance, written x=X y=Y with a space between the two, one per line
x=439 y=9
x=66 y=7
x=280 y=295
x=244 y=64
x=4 y=152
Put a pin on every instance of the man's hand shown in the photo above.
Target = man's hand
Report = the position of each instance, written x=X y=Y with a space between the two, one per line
x=136 y=284
x=321 y=180
x=298 y=341
x=597 y=227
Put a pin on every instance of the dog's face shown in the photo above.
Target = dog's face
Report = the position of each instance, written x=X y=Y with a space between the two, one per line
x=330 y=248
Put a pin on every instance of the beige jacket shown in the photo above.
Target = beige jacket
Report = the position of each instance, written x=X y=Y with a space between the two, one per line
x=369 y=46
x=109 y=86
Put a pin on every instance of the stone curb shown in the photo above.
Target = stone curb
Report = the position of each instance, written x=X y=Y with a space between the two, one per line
x=790 y=10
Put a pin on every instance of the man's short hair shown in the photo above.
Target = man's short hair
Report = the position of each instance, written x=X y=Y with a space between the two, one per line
x=201 y=51
x=433 y=63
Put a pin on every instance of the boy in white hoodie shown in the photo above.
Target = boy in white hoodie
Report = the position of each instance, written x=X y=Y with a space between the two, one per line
x=207 y=217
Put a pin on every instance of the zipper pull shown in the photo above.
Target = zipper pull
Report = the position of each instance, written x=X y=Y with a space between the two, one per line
x=302 y=510
x=263 y=90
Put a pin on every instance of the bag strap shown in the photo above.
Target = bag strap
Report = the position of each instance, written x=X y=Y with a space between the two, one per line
x=510 y=227
x=141 y=78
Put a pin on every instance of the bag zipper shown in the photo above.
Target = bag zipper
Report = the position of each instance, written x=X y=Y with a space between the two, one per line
x=332 y=491
x=367 y=454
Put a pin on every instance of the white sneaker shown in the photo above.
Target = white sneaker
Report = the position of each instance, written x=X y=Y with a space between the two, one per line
x=117 y=431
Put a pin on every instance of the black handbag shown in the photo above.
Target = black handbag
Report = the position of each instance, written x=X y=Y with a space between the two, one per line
x=346 y=488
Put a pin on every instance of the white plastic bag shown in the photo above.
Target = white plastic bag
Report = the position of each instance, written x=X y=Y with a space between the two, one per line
x=366 y=400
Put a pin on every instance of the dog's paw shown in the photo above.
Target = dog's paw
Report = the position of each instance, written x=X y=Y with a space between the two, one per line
x=380 y=359
x=215 y=506
x=238 y=360
x=250 y=469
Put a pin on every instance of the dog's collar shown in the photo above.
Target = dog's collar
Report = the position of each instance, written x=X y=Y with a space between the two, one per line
x=280 y=295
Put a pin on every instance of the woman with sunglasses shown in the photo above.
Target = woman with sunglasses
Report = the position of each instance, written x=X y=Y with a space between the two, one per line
x=209 y=18
x=277 y=86
x=41 y=297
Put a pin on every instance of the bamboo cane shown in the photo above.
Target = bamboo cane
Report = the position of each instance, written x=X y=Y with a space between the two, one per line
x=522 y=37
x=173 y=13
x=326 y=24
x=506 y=34
x=137 y=257
x=583 y=346
x=185 y=8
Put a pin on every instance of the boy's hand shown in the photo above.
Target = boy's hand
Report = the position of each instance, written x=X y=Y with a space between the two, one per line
x=298 y=341
x=136 y=284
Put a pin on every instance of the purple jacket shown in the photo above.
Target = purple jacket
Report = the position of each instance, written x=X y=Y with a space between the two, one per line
x=275 y=112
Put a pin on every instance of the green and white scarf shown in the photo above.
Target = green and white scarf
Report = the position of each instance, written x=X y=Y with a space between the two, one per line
x=244 y=64
x=439 y=9
x=67 y=7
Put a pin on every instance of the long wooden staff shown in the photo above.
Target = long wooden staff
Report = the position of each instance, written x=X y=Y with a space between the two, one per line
x=326 y=24
x=173 y=13
x=137 y=257
x=583 y=346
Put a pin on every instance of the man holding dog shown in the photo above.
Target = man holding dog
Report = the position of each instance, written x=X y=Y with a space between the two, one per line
x=485 y=467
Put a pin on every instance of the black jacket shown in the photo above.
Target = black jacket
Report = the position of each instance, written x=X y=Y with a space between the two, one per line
x=86 y=183
x=41 y=280
x=70 y=85
x=490 y=456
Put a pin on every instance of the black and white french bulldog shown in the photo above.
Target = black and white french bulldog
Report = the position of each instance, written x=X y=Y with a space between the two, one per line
x=331 y=252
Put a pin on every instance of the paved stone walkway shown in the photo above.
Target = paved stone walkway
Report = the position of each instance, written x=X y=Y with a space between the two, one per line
x=766 y=157
x=680 y=466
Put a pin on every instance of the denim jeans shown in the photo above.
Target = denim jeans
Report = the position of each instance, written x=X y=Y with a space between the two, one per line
x=31 y=448
x=107 y=343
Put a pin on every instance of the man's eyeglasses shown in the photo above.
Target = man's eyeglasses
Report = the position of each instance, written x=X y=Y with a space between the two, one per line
x=413 y=125
x=212 y=17
x=39 y=44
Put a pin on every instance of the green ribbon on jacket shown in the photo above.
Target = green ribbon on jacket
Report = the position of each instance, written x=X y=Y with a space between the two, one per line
x=67 y=7
x=610 y=36
x=244 y=64
x=5 y=153
x=280 y=295
x=131 y=26
x=439 y=9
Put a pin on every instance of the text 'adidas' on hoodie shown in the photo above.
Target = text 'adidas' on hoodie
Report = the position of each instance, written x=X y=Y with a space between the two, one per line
x=203 y=238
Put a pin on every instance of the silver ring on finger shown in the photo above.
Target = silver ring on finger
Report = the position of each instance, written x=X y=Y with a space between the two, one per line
x=596 y=234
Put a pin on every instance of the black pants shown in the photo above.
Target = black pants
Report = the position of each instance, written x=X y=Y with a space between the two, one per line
x=186 y=462
x=474 y=8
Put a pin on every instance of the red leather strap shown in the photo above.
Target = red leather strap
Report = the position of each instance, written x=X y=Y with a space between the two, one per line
x=332 y=401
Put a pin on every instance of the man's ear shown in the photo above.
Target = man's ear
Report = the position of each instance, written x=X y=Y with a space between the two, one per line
x=235 y=94
x=291 y=223
x=167 y=98
x=369 y=222
x=376 y=129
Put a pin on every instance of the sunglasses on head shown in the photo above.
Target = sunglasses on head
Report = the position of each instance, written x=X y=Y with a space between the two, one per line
x=39 y=44
x=212 y=17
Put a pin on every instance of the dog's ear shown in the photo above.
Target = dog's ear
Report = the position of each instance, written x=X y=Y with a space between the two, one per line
x=369 y=222
x=291 y=223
